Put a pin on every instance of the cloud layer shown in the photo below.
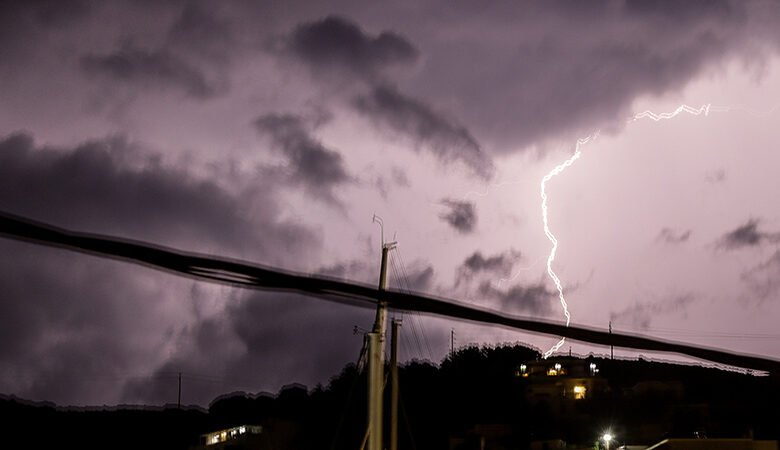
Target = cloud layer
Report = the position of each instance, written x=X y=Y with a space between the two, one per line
x=188 y=124
x=461 y=215
x=311 y=164
x=747 y=235
x=150 y=69
x=107 y=186
x=336 y=43
x=447 y=140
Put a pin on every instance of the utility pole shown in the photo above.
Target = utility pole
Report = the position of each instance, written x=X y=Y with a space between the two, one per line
x=178 y=402
x=452 y=344
x=394 y=386
x=379 y=321
x=375 y=379
x=611 y=347
x=376 y=360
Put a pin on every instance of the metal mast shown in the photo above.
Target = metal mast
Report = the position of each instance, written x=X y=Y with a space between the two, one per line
x=376 y=355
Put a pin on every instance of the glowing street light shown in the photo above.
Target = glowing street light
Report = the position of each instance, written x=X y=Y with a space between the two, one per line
x=606 y=438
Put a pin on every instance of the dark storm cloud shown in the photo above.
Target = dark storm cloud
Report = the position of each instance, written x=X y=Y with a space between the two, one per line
x=344 y=270
x=679 y=11
x=207 y=346
x=150 y=68
x=525 y=72
x=320 y=330
x=764 y=279
x=462 y=216
x=265 y=340
x=500 y=263
x=203 y=29
x=48 y=13
x=671 y=236
x=79 y=328
x=446 y=139
x=338 y=43
x=313 y=165
x=397 y=178
x=495 y=265
x=535 y=299
x=96 y=187
x=75 y=328
x=420 y=279
x=22 y=22
x=497 y=67
x=747 y=235
x=641 y=314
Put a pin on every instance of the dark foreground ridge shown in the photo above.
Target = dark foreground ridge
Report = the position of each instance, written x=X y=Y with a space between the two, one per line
x=502 y=397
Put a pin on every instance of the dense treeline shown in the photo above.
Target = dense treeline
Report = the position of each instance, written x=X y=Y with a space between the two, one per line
x=475 y=394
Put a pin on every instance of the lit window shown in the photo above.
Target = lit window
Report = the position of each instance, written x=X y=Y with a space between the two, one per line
x=242 y=430
x=579 y=392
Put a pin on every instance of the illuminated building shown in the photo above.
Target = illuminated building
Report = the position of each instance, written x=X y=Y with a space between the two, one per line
x=242 y=436
x=559 y=381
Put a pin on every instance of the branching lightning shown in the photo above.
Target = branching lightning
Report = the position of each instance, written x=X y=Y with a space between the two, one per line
x=557 y=170
x=517 y=273
x=704 y=109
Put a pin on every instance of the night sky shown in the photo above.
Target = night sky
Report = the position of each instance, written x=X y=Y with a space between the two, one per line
x=272 y=132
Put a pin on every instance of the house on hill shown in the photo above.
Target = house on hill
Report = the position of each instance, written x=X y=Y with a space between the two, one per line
x=561 y=380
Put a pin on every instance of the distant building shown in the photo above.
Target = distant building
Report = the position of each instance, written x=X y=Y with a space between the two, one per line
x=561 y=379
x=240 y=437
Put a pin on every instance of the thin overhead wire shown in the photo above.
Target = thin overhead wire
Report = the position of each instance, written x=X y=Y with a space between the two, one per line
x=397 y=277
x=409 y=290
x=414 y=324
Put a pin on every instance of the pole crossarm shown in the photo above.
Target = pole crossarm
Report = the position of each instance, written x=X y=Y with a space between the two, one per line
x=254 y=276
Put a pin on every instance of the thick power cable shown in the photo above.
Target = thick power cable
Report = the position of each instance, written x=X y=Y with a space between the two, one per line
x=257 y=277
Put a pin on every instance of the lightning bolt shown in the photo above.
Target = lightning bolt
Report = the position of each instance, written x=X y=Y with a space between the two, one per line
x=556 y=171
x=703 y=110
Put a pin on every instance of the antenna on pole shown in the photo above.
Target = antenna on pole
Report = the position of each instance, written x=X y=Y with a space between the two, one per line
x=376 y=352
x=377 y=219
